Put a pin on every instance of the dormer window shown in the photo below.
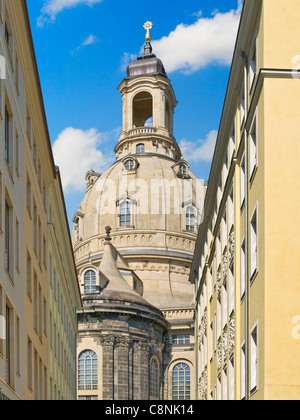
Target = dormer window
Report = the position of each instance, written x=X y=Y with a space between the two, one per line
x=90 y=282
x=129 y=165
x=182 y=169
x=140 y=148
x=125 y=214
x=190 y=219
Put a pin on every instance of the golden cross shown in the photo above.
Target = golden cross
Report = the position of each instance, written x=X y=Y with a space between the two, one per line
x=148 y=25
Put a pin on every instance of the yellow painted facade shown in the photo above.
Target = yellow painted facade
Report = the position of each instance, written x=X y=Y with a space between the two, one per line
x=29 y=187
x=247 y=288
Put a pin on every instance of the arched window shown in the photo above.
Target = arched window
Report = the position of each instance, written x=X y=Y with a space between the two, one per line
x=154 y=379
x=125 y=214
x=90 y=282
x=190 y=219
x=181 y=382
x=140 y=148
x=88 y=371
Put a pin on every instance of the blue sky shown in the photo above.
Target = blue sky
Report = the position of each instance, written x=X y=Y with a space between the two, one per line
x=82 y=49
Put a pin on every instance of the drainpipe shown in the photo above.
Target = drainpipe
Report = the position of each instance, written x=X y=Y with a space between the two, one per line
x=246 y=230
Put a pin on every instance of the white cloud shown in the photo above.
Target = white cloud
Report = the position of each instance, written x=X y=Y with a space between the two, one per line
x=91 y=40
x=201 y=150
x=126 y=60
x=209 y=40
x=77 y=151
x=51 y=8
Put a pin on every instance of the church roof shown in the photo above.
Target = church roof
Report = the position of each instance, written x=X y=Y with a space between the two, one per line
x=116 y=288
x=146 y=64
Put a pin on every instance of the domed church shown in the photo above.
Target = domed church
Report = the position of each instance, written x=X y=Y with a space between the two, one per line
x=134 y=236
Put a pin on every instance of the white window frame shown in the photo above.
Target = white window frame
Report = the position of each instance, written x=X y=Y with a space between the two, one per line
x=254 y=359
x=254 y=244
x=253 y=63
x=242 y=179
x=243 y=371
x=243 y=268
x=242 y=105
x=253 y=157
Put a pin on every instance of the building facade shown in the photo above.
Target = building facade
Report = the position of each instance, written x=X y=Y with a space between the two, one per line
x=28 y=189
x=152 y=204
x=245 y=269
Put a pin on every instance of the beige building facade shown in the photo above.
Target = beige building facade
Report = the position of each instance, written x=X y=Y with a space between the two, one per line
x=246 y=259
x=28 y=189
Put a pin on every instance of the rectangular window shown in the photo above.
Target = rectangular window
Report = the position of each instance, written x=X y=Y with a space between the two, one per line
x=17 y=245
x=253 y=245
x=242 y=180
x=243 y=371
x=8 y=138
x=211 y=340
x=243 y=269
x=231 y=379
x=231 y=288
x=29 y=275
x=225 y=396
x=232 y=141
x=253 y=360
x=242 y=105
x=8 y=239
x=29 y=363
x=224 y=304
x=253 y=148
x=253 y=64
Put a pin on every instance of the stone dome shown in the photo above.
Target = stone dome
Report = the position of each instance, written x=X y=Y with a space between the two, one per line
x=152 y=232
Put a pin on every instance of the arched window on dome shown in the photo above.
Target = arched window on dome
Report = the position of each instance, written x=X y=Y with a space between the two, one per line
x=181 y=382
x=154 y=379
x=90 y=282
x=125 y=214
x=88 y=370
x=140 y=148
x=190 y=219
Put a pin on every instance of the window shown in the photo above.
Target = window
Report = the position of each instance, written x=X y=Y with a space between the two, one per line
x=253 y=148
x=190 y=219
x=243 y=371
x=181 y=339
x=181 y=382
x=88 y=371
x=8 y=238
x=242 y=180
x=225 y=383
x=90 y=282
x=231 y=288
x=154 y=379
x=129 y=165
x=253 y=64
x=224 y=304
x=242 y=105
x=253 y=360
x=243 y=269
x=232 y=141
x=231 y=379
x=140 y=148
x=125 y=214
x=183 y=169
x=253 y=245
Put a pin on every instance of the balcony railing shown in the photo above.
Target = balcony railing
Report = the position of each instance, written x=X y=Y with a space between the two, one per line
x=142 y=130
